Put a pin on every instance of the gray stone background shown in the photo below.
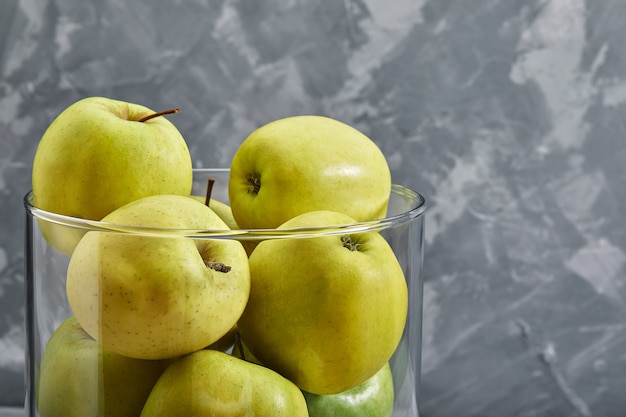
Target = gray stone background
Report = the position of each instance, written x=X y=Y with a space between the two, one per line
x=508 y=115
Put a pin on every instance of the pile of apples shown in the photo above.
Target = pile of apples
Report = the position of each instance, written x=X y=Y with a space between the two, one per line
x=168 y=325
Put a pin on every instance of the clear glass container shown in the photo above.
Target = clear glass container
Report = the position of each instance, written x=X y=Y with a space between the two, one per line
x=48 y=307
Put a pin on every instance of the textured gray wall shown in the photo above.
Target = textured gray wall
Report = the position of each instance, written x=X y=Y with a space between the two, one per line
x=508 y=115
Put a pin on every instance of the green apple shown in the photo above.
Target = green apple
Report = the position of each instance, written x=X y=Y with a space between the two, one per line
x=210 y=383
x=372 y=398
x=326 y=312
x=306 y=163
x=97 y=155
x=152 y=296
x=80 y=378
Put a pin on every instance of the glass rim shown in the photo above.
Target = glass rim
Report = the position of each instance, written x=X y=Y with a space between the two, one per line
x=418 y=209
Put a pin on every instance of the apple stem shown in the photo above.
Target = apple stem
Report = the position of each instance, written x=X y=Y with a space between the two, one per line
x=239 y=345
x=209 y=190
x=349 y=243
x=254 y=183
x=218 y=266
x=161 y=113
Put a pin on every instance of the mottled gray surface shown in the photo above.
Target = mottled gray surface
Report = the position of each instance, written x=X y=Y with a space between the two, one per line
x=508 y=115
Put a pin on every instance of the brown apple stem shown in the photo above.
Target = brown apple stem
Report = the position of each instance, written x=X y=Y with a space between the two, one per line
x=209 y=190
x=161 y=113
x=218 y=266
x=239 y=345
x=254 y=183
x=349 y=244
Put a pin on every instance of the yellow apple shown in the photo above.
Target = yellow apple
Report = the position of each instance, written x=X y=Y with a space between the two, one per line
x=326 y=312
x=305 y=163
x=97 y=155
x=154 y=297
x=212 y=383
x=80 y=378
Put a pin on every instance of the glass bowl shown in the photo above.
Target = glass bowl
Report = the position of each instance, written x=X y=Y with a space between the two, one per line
x=48 y=307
